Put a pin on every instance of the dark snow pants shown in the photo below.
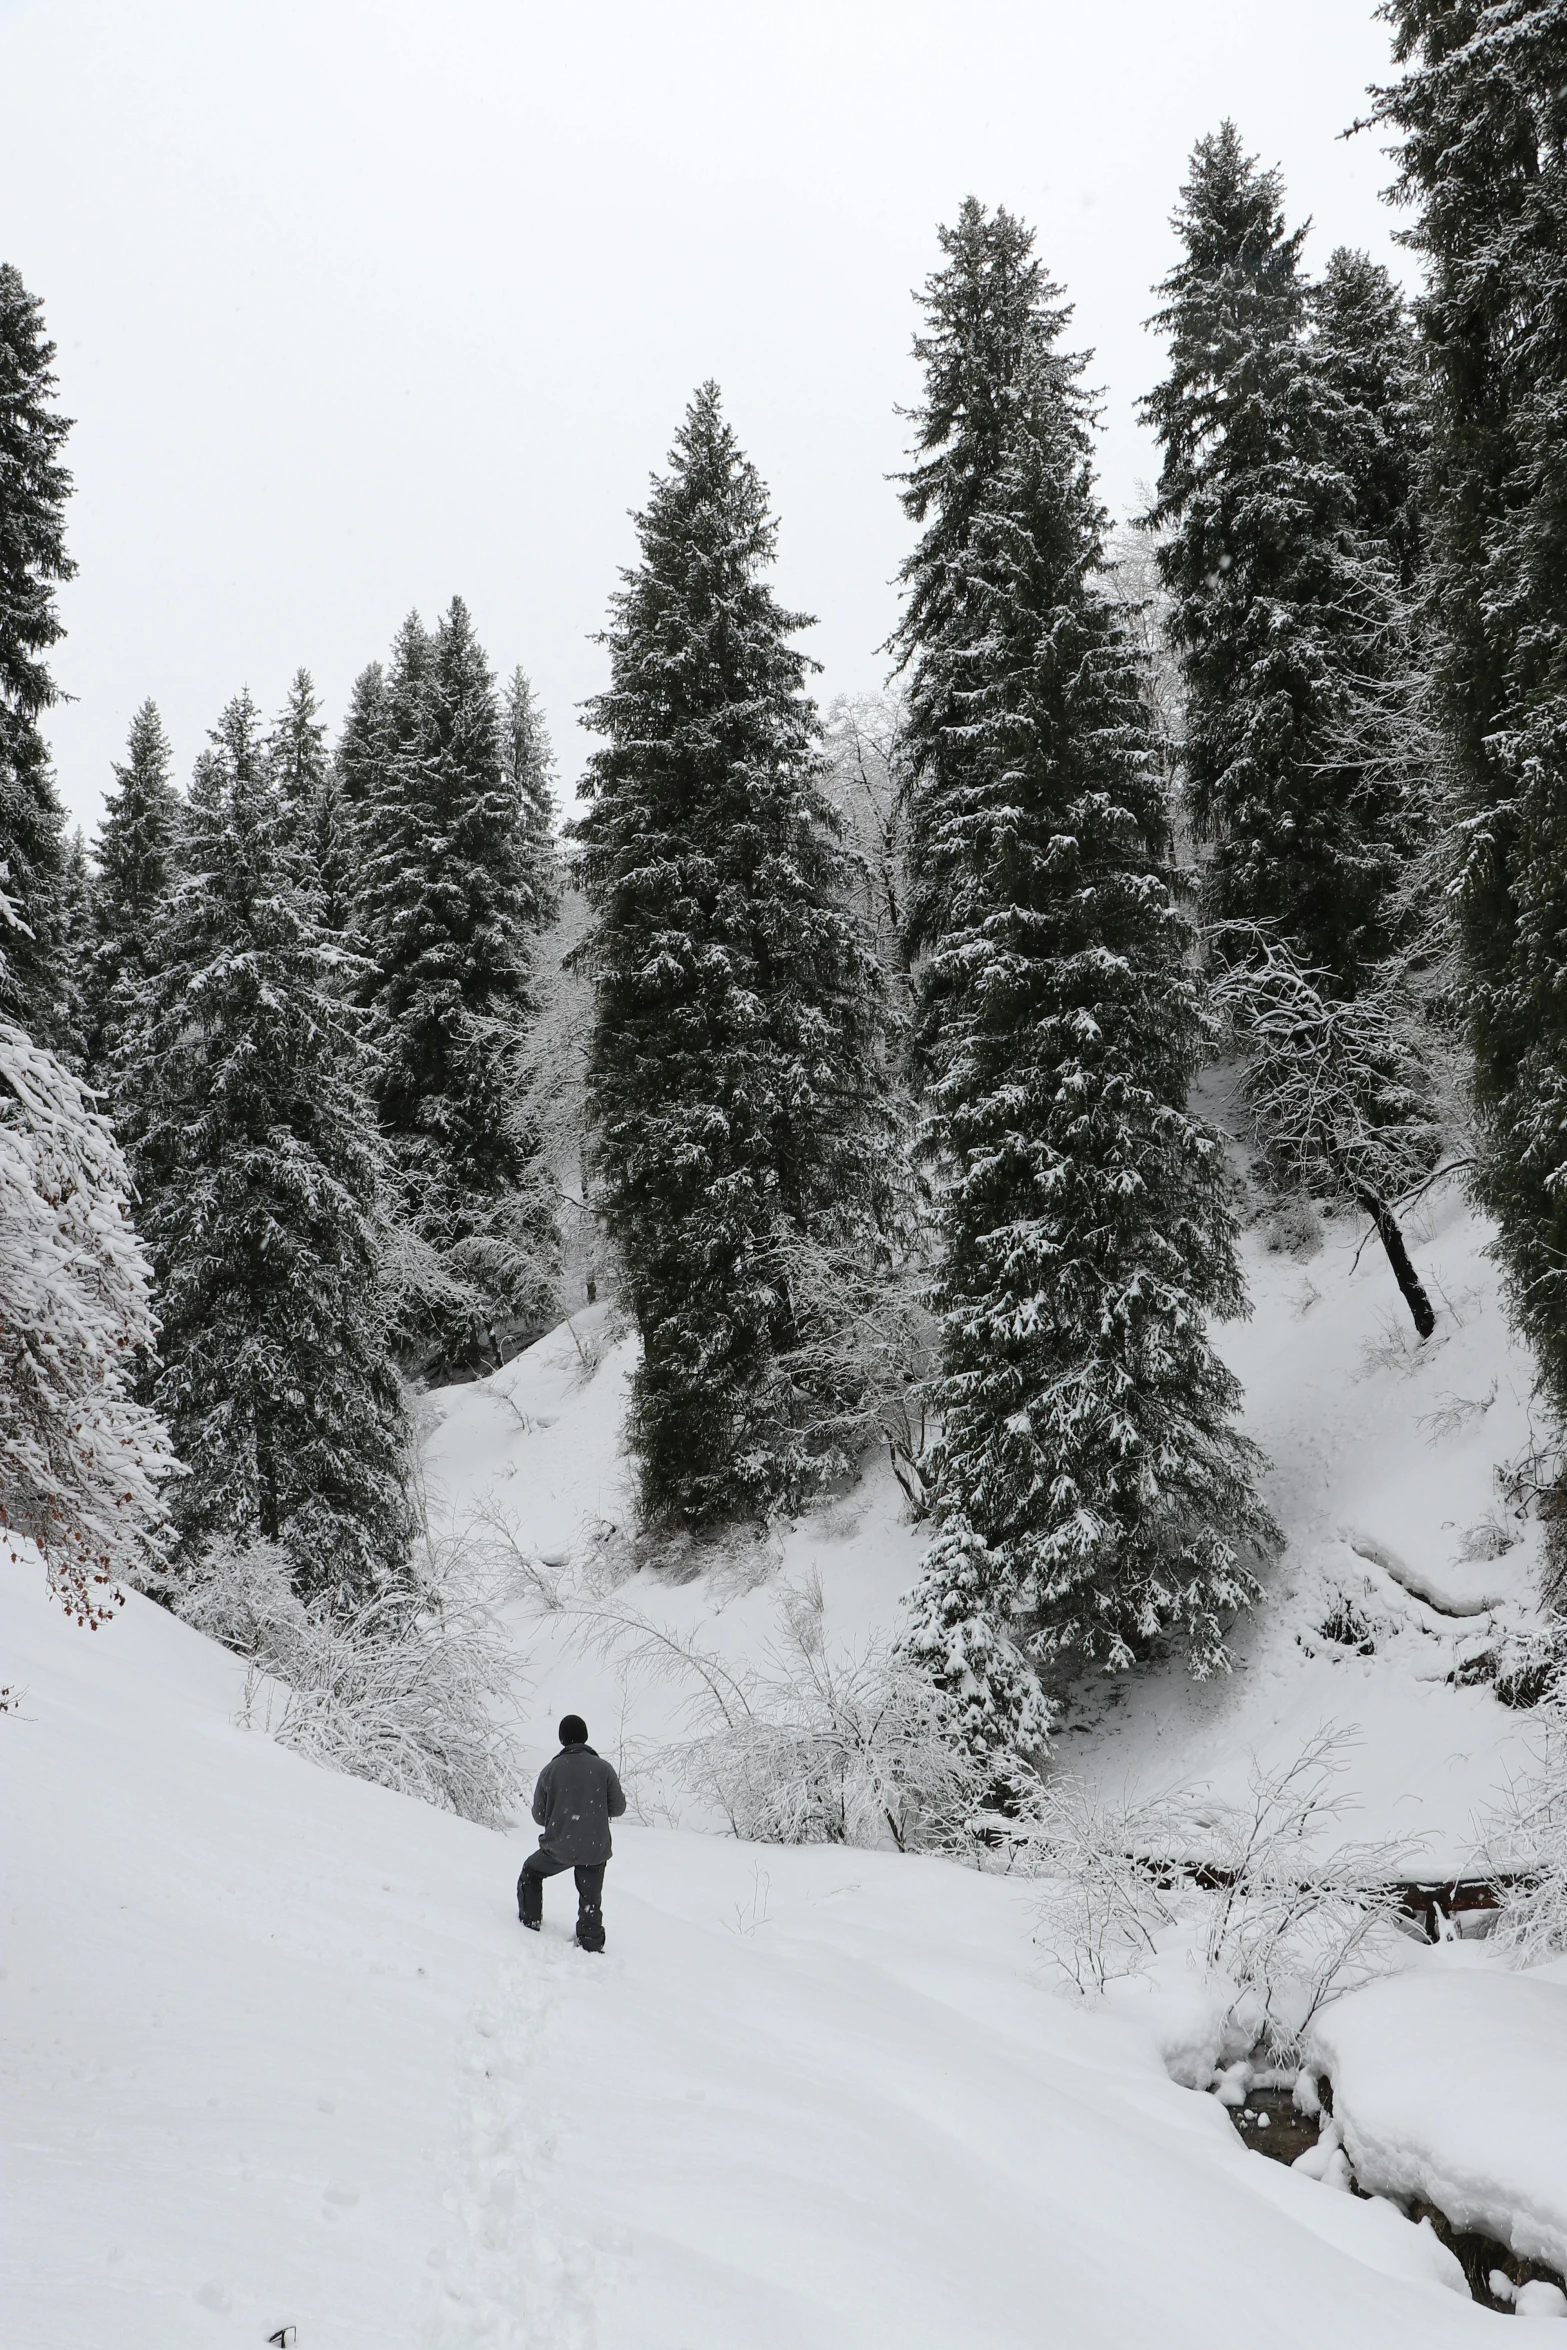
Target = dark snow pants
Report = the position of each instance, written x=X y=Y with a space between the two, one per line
x=590 y=1895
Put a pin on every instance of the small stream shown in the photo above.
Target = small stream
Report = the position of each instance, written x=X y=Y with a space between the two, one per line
x=1272 y=2124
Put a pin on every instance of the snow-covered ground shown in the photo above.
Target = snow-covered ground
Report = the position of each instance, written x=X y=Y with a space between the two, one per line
x=277 y=2051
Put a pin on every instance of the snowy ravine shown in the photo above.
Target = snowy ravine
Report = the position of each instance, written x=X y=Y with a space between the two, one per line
x=1383 y=1473
x=278 y=2053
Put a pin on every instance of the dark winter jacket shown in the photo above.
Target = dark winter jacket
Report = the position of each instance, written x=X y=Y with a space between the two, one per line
x=577 y=1796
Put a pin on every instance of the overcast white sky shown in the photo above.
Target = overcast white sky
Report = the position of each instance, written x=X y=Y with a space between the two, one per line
x=364 y=303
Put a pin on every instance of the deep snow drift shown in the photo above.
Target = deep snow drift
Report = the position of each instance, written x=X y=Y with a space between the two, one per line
x=279 y=2053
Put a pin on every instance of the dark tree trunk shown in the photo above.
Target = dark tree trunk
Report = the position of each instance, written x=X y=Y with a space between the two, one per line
x=1409 y=1282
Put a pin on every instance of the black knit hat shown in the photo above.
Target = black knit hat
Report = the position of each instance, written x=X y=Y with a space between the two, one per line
x=573 y=1730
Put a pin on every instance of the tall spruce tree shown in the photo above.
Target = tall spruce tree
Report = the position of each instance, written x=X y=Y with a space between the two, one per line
x=134 y=854
x=1482 y=121
x=34 y=486
x=733 y=1057
x=1092 y=1496
x=1278 y=602
x=529 y=764
x=241 y=1090
x=1366 y=349
x=446 y=913
x=296 y=753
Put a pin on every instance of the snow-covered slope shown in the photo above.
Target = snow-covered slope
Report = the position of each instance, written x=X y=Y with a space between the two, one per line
x=1403 y=1566
x=278 y=2053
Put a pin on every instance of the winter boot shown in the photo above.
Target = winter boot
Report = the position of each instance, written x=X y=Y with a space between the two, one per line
x=530 y=1900
x=590 y=1926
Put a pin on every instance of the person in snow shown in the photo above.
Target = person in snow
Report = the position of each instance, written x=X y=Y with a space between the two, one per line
x=577 y=1796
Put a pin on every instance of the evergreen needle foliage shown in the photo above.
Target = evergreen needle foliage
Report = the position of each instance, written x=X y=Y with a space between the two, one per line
x=1285 y=503
x=736 y=1054
x=447 y=911
x=1482 y=117
x=135 y=860
x=241 y=1089
x=1092 y=1496
x=34 y=486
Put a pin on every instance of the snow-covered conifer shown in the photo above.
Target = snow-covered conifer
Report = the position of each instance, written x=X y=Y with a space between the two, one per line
x=81 y=1461
x=134 y=855
x=529 y=764
x=734 y=1059
x=241 y=1090
x=1092 y=1496
x=1365 y=347
x=1278 y=603
x=34 y=486
x=446 y=914
x=1484 y=166
x=296 y=752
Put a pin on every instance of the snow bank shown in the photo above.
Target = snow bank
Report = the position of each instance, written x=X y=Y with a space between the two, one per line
x=1450 y=2083
x=278 y=2052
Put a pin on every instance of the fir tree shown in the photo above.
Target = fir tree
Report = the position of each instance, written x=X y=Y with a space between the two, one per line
x=529 y=765
x=734 y=1051
x=135 y=859
x=352 y=779
x=296 y=754
x=1484 y=163
x=1366 y=350
x=446 y=915
x=1277 y=601
x=1092 y=1496
x=76 y=936
x=241 y=1090
x=988 y=319
x=34 y=486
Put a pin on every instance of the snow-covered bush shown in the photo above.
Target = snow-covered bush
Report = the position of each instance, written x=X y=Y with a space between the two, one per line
x=813 y=1744
x=81 y=1461
x=1276 y=1914
x=1342 y=1096
x=1528 y=1843
x=399 y=1688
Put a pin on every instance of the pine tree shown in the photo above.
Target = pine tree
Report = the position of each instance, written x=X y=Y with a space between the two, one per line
x=1277 y=602
x=988 y=319
x=1092 y=1496
x=241 y=1090
x=134 y=854
x=76 y=932
x=296 y=754
x=734 y=1052
x=529 y=765
x=446 y=914
x=81 y=1460
x=1366 y=350
x=34 y=486
x=352 y=779
x=1483 y=161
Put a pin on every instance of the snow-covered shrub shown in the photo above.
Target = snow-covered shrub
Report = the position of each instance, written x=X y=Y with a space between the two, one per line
x=1276 y=1914
x=1527 y=1841
x=1342 y=1097
x=81 y=1461
x=813 y=1744
x=399 y=1688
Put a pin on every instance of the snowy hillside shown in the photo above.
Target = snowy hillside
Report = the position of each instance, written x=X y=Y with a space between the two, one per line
x=278 y=2052
x=1406 y=1574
